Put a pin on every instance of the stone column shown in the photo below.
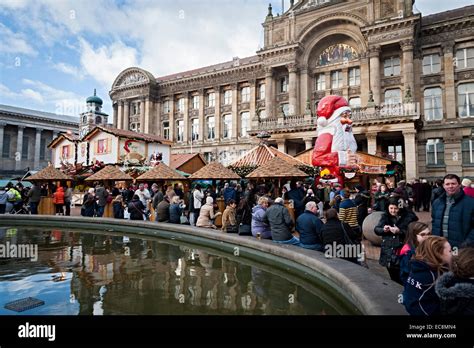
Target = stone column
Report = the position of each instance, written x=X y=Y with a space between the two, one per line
x=374 y=61
x=364 y=80
x=2 y=132
x=308 y=143
x=171 y=118
x=126 y=116
x=371 y=143
x=156 y=126
x=202 y=120
x=281 y=145
x=142 y=115
x=327 y=80
x=269 y=92
x=19 y=148
x=410 y=154
x=37 y=148
x=449 y=86
x=186 y=118
x=345 y=83
x=293 y=88
x=120 y=115
x=235 y=112
x=115 y=115
x=148 y=115
x=304 y=80
x=408 y=76
x=217 y=112
x=253 y=101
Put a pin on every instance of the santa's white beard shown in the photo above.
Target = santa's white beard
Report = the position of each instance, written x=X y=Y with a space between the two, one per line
x=342 y=140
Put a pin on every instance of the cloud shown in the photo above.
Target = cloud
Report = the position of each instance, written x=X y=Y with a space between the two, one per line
x=106 y=62
x=14 y=43
x=69 y=69
x=30 y=94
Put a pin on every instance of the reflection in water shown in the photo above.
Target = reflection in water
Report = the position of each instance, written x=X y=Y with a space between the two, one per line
x=96 y=274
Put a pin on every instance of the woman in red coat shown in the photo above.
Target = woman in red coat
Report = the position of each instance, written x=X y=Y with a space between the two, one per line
x=58 y=200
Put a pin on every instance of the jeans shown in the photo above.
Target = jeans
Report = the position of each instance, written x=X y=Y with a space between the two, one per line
x=34 y=208
x=100 y=211
x=317 y=247
x=68 y=208
x=292 y=241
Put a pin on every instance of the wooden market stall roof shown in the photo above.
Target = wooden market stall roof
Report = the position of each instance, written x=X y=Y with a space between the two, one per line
x=110 y=173
x=263 y=153
x=277 y=168
x=161 y=172
x=214 y=171
x=187 y=162
x=368 y=163
x=49 y=174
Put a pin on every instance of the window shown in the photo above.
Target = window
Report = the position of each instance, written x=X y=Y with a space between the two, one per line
x=84 y=119
x=392 y=66
x=261 y=91
x=393 y=96
x=354 y=102
x=208 y=156
x=285 y=108
x=211 y=127
x=433 y=104
x=135 y=108
x=180 y=130
x=166 y=130
x=431 y=64
x=24 y=148
x=435 y=152
x=320 y=82
x=166 y=107
x=195 y=129
x=336 y=79
x=227 y=97
x=227 y=120
x=465 y=58
x=98 y=120
x=244 y=123
x=6 y=145
x=395 y=152
x=467 y=151
x=263 y=114
x=354 y=77
x=65 y=152
x=42 y=148
x=245 y=94
x=196 y=102
x=466 y=100
x=102 y=146
x=211 y=99
x=284 y=84
x=180 y=105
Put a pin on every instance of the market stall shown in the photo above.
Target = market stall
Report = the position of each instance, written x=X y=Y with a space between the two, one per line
x=109 y=175
x=49 y=176
x=215 y=171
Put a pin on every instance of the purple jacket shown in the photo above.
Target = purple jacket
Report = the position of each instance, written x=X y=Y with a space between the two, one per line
x=257 y=223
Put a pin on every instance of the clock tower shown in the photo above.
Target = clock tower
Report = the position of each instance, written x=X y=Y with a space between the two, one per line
x=93 y=116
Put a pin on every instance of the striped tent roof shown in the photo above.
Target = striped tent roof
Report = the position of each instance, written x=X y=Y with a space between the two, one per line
x=277 y=168
x=161 y=172
x=215 y=171
x=263 y=153
x=49 y=174
x=110 y=173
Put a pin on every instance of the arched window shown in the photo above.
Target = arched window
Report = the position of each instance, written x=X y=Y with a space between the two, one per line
x=336 y=54
x=84 y=119
x=98 y=120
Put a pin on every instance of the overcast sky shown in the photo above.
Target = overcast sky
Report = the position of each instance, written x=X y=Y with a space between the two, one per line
x=53 y=53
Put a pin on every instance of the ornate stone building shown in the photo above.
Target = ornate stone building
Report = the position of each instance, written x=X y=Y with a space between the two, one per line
x=25 y=135
x=409 y=78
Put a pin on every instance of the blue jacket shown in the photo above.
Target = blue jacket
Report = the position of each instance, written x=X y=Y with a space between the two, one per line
x=230 y=193
x=419 y=296
x=309 y=227
x=175 y=213
x=461 y=219
x=257 y=223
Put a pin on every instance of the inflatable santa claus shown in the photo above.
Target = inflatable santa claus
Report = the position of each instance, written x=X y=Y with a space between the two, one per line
x=335 y=146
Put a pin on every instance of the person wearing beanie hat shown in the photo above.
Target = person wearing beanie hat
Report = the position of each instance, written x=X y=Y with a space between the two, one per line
x=336 y=145
x=467 y=187
x=466 y=182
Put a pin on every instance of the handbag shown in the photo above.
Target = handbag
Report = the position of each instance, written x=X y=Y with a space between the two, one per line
x=244 y=229
x=183 y=220
x=347 y=239
x=232 y=229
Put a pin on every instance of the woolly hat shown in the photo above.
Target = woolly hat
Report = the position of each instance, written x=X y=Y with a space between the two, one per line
x=466 y=182
x=331 y=106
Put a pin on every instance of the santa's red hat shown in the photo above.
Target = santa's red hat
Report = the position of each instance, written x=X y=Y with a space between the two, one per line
x=331 y=106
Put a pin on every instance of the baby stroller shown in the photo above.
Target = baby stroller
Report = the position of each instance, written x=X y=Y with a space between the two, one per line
x=19 y=208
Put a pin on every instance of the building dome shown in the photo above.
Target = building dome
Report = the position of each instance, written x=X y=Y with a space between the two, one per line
x=94 y=99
